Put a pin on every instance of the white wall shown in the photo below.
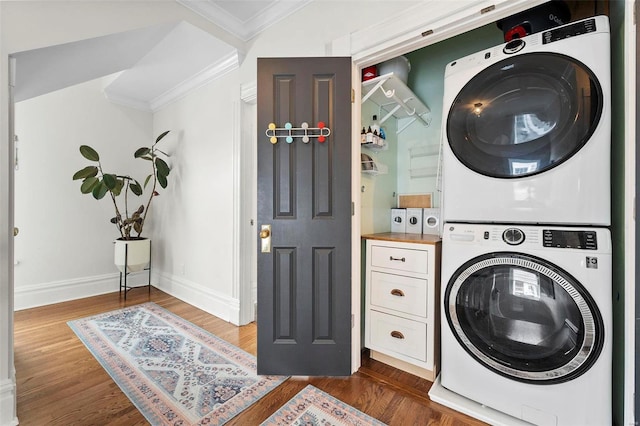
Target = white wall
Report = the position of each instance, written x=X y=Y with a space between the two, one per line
x=193 y=219
x=64 y=250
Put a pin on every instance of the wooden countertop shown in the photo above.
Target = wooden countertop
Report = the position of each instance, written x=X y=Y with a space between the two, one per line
x=403 y=238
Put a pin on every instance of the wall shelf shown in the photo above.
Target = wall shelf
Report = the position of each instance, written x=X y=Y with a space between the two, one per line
x=395 y=99
x=376 y=147
x=424 y=151
x=372 y=167
x=422 y=159
x=423 y=172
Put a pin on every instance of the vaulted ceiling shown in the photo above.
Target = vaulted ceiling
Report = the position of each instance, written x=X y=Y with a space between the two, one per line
x=155 y=65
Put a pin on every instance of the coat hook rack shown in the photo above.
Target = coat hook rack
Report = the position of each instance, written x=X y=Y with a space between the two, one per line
x=304 y=131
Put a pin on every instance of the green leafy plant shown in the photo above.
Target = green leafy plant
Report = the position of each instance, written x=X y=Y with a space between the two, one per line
x=99 y=183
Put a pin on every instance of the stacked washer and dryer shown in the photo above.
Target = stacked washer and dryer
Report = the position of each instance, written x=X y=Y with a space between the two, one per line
x=526 y=328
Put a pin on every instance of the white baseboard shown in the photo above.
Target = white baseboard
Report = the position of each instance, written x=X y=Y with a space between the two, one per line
x=210 y=301
x=8 y=403
x=34 y=295
x=220 y=305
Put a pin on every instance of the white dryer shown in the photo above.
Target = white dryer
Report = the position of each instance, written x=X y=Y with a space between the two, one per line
x=527 y=130
x=527 y=322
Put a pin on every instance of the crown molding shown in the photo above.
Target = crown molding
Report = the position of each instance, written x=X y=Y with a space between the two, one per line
x=244 y=30
x=249 y=92
x=127 y=101
x=207 y=75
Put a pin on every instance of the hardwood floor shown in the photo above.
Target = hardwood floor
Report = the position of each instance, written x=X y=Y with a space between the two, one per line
x=60 y=383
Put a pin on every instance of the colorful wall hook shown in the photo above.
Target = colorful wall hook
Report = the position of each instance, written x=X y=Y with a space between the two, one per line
x=304 y=132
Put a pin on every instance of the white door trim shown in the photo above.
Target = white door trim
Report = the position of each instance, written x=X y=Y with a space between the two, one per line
x=630 y=223
x=244 y=204
x=8 y=396
x=427 y=23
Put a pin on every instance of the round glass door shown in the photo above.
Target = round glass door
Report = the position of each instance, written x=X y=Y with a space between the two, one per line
x=524 y=318
x=524 y=115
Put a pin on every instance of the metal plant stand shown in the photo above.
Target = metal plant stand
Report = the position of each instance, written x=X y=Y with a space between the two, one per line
x=123 y=275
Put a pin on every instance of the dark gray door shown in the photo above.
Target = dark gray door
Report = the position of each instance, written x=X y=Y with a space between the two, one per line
x=304 y=194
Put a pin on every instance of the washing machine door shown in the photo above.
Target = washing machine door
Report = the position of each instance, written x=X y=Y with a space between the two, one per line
x=524 y=115
x=524 y=318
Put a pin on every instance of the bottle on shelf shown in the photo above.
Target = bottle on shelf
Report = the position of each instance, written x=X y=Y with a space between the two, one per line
x=374 y=124
x=378 y=138
x=369 y=135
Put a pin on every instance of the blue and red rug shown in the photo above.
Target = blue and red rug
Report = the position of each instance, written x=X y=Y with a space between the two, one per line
x=173 y=371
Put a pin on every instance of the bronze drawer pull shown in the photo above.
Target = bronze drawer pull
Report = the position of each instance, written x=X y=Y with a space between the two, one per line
x=402 y=259
x=397 y=334
x=397 y=292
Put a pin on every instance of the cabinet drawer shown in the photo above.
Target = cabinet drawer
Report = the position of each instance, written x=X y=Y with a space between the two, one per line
x=402 y=294
x=390 y=334
x=399 y=258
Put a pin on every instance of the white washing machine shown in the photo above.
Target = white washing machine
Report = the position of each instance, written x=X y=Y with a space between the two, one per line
x=527 y=130
x=526 y=325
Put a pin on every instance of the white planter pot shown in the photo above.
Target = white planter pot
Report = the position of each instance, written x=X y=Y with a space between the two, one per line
x=135 y=254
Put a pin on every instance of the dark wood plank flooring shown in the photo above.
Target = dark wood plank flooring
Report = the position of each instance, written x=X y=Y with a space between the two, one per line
x=60 y=383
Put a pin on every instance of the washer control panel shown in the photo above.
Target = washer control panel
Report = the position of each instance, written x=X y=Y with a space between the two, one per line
x=585 y=240
x=513 y=236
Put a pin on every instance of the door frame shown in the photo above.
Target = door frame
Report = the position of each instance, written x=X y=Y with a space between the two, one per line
x=244 y=278
x=8 y=395
x=631 y=243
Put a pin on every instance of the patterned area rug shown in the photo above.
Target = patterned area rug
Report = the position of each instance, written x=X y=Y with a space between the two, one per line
x=173 y=371
x=311 y=407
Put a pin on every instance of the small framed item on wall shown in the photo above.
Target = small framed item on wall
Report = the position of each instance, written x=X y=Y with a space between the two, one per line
x=418 y=201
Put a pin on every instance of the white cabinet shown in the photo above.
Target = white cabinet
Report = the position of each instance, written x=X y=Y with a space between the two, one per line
x=402 y=299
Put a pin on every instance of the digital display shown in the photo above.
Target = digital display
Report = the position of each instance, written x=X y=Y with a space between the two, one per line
x=585 y=240
x=567 y=31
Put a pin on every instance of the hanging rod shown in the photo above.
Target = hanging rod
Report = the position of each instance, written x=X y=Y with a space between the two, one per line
x=389 y=87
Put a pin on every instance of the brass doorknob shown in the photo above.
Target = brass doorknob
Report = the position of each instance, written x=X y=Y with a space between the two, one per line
x=265 y=235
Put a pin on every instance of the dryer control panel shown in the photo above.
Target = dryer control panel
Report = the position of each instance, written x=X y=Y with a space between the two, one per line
x=585 y=240
x=566 y=31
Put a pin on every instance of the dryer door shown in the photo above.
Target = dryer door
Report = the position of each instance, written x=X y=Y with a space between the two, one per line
x=524 y=318
x=524 y=115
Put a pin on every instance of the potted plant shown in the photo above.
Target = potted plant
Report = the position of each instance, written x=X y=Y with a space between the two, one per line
x=98 y=182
